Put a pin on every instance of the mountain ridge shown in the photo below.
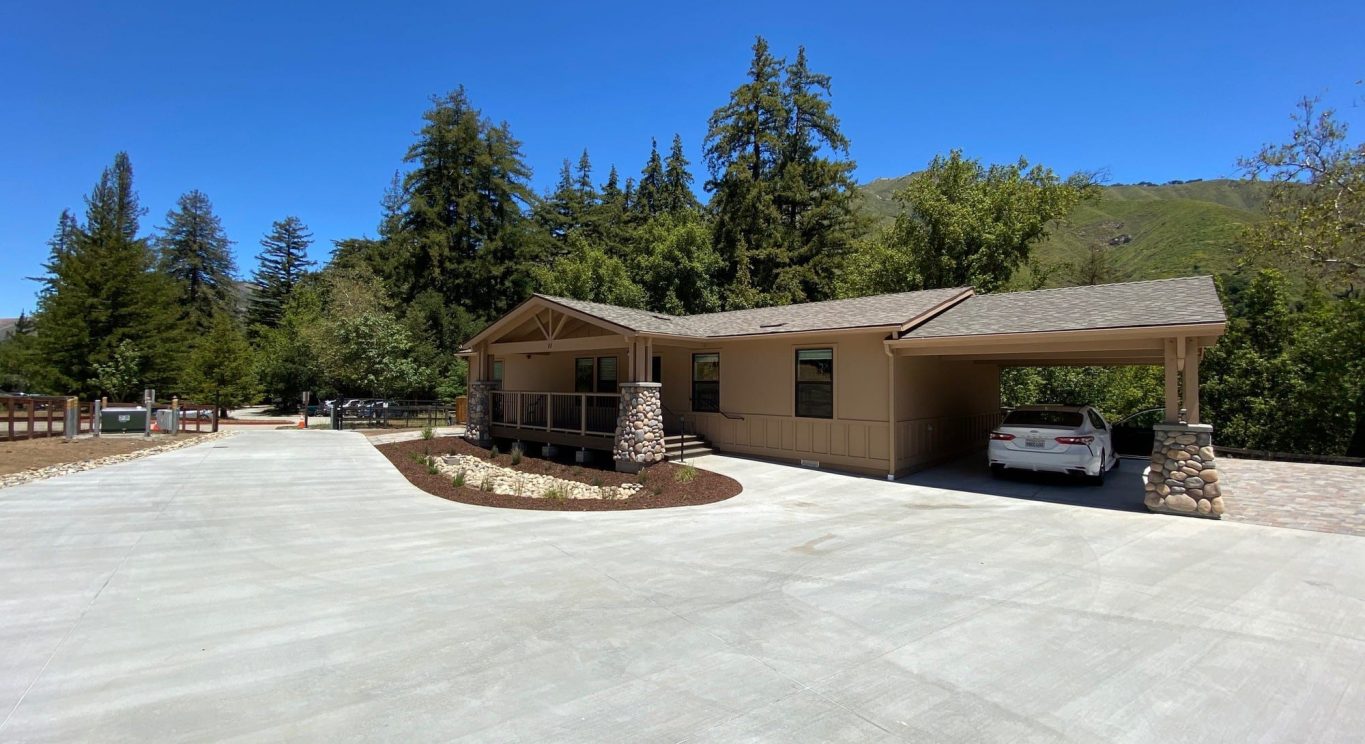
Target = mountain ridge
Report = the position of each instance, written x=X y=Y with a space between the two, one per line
x=1150 y=231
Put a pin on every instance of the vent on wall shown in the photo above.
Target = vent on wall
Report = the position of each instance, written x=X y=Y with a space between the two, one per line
x=810 y=463
x=772 y=325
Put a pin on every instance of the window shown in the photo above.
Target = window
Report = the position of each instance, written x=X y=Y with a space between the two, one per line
x=594 y=375
x=606 y=374
x=582 y=375
x=1096 y=421
x=497 y=371
x=706 y=383
x=1044 y=418
x=815 y=383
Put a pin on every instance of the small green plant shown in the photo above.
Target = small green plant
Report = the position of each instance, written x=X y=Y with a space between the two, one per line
x=685 y=474
x=486 y=485
x=432 y=469
x=493 y=453
x=656 y=490
x=643 y=477
x=521 y=484
x=458 y=482
x=555 y=493
x=597 y=481
x=516 y=456
x=576 y=470
x=428 y=432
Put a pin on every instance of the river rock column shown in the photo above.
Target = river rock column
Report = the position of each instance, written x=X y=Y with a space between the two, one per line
x=639 y=426
x=480 y=427
x=1183 y=478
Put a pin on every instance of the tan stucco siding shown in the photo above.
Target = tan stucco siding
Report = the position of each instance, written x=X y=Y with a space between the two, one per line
x=758 y=390
x=943 y=408
x=550 y=373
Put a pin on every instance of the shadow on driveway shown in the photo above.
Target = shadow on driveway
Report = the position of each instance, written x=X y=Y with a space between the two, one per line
x=1122 y=489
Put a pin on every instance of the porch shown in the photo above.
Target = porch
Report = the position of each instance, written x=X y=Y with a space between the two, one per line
x=585 y=420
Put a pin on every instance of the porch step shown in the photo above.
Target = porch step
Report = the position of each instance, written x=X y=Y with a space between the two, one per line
x=686 y=445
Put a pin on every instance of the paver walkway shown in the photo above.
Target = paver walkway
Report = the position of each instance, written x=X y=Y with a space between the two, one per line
x=1303 y=496
x=292 y=586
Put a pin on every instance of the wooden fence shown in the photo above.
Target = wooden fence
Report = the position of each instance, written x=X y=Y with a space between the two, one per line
x=37 y=416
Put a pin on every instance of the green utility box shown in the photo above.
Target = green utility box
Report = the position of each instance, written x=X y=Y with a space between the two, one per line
x=115 y=420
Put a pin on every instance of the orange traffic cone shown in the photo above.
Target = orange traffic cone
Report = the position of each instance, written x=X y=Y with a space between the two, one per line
x=155 y=426
x=302 y=425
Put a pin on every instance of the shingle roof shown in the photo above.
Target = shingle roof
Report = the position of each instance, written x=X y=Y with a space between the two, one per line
x=1152 y=303
x=862 y=312
x=641 y=321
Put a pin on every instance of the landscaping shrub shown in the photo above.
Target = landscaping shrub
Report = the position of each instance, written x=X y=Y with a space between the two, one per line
x=685 y=474
x=458 y=482
x=428 y=432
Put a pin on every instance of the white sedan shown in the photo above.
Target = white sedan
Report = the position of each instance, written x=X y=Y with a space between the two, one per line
x=1058 y=439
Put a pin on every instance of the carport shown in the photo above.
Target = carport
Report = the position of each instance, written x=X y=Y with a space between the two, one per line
x=1168 y=323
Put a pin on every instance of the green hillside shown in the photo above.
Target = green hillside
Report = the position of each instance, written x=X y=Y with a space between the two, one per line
x=1151 y=231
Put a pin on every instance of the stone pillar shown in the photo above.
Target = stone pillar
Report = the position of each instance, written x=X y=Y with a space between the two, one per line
x=480 y=427
x=1183 y=478
x=639 y=426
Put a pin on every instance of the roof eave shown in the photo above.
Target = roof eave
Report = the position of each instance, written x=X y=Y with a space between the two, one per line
x=1213 y=328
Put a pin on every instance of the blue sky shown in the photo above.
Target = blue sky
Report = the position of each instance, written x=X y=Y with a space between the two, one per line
x=280 y=108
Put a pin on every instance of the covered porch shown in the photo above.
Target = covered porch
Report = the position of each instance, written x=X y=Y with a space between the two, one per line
x=550 y=374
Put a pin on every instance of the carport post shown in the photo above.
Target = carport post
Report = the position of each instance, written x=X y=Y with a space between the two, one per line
x=1191 y=381
x=1172 y=382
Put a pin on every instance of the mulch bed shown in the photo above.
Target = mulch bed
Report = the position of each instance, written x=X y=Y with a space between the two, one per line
x=662 y=489
x=31 y=454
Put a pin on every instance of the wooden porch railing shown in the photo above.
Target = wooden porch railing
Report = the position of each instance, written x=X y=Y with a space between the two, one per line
x=588 y=414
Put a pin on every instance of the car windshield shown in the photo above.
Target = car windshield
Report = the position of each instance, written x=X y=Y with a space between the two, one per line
x=1051 y=419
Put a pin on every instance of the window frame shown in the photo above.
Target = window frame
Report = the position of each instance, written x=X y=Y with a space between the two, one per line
x=498 y=370
x=695 y=382
x=592 y=374
x=798 y=383
x=597 y=378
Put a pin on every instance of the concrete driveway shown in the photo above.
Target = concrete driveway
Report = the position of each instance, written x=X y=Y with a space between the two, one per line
x=290 y=585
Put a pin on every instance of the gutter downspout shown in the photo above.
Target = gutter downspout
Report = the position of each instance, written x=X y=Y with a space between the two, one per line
x=890 y=409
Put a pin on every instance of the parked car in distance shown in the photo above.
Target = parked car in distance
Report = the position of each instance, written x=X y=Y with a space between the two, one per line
x=1133 y=434
x=1071 y=439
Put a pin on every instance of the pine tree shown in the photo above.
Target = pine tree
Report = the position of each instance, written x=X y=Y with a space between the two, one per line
x=744 y=141
x=60 y=246
x=23 y=325
x=222 y=369
x=785 y=201
x=587 y=193
x=558 y=214
x=194 y=252
x=677 y=181
x=611 y=190
x=649 y=193
x=283 y=262
x=815 y=192
x=463 y=233
x=103 y=291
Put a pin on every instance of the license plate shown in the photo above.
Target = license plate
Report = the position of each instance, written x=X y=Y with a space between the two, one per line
x=1033 y=442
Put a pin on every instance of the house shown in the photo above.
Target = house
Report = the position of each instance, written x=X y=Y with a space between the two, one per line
x=880 y=385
